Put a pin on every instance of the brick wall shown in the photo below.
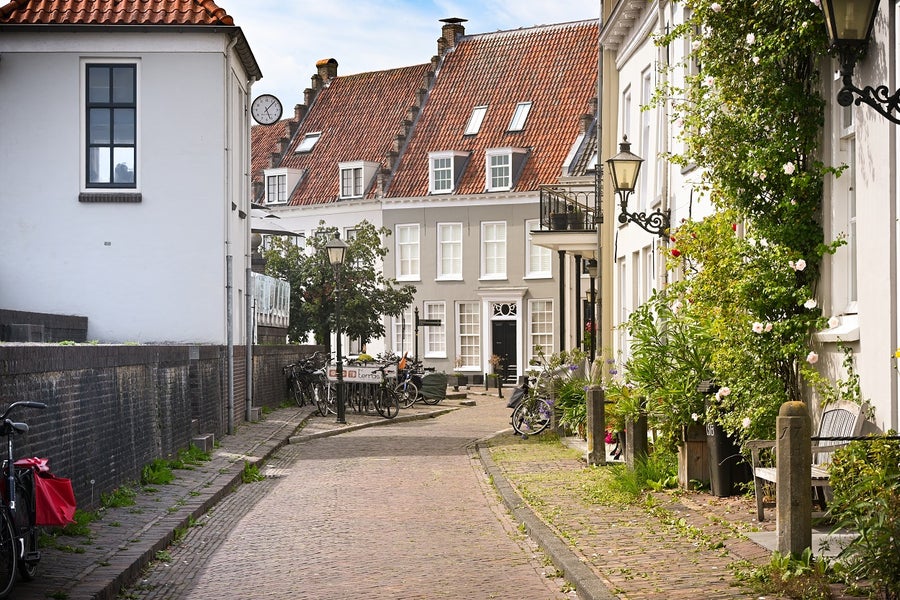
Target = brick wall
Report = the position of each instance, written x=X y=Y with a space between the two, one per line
x=113 y=409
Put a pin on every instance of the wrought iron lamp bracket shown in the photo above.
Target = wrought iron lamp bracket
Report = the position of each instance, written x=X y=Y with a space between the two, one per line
x=656 y=222
x=879 y=98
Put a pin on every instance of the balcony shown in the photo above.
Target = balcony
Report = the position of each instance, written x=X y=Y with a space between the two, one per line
x=570 y=213
x=271 y=298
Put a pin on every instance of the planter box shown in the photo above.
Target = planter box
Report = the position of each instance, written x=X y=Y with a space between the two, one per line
x=693 y=458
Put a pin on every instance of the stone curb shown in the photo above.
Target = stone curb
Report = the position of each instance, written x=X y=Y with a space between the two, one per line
x=588 y=584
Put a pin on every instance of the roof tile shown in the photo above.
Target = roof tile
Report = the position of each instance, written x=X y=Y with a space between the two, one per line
x=114 y=12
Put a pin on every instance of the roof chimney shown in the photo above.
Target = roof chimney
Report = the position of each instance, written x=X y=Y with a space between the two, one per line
x=452 y=30
x=327 y=69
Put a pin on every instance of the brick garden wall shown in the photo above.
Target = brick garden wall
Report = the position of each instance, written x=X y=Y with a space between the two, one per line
x=113 y=409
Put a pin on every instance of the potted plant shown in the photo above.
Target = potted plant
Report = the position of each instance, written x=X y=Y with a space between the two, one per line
x=457 y=379
x=574 y=218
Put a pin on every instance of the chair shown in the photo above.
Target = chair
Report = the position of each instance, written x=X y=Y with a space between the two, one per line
x=839 y=419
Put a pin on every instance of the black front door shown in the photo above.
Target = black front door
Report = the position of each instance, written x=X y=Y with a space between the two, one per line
x=503 y=344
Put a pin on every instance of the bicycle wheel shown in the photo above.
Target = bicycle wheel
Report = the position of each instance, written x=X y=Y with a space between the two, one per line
x=8 y=560
x=406 y=392
x=29 y=558
x=387 y=403
x=328 y=400
x=531 y=418
x=297 y=391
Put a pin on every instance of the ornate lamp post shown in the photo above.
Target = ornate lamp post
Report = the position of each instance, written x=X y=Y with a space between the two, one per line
x=624 y=168
x=337 y=249
x=849 y=26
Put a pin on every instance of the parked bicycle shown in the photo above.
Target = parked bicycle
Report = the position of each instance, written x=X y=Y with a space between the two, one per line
x=18 y=532
x=532 y=403
x=308 y=382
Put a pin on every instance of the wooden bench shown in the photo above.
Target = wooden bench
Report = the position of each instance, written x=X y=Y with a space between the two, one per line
x=839 y=419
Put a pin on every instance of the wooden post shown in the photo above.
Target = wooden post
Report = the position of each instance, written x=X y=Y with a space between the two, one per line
x=635 y=440
x=793 y=495
x=596 y=426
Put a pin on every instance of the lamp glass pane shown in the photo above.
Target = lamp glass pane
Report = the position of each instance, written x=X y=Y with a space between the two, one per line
x=849 y=20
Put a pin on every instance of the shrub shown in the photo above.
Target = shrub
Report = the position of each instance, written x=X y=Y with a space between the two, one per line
x=865 y=477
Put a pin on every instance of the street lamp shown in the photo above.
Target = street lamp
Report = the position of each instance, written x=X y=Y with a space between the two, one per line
x=624 y=168
x=337 y=250
x=848 y=24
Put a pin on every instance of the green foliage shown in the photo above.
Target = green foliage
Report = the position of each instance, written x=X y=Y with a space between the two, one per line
x=865 y=478
x=655 y=471
x=366 y=294
x=250 y=473
x=571 y=402
x=121 y=496
x=802 y=577
x=751 y=119
x=158 y=472
x=190 y=457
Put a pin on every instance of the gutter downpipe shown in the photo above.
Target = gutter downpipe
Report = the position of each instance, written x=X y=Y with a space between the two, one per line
x=229 y=301
x=663 y=58
x=598 y=193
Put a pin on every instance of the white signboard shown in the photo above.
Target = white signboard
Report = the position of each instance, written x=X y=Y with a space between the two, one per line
x=363 y=374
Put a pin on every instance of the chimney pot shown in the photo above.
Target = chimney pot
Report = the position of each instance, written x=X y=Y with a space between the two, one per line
x=452 y=29
x=327 y=68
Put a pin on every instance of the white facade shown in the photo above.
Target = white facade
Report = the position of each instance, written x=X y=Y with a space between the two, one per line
x=153 y=268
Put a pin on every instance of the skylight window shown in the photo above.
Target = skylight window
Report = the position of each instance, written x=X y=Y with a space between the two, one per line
x=518 y=119
x=309 y=140
x=474 y=125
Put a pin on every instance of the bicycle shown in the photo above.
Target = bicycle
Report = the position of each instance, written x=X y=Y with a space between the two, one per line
x=307 y=380
x=531 y=403
x=18 y=532
x=387 y=402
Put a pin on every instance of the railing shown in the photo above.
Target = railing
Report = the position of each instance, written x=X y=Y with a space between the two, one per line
x=272 y=300
x=569 y=207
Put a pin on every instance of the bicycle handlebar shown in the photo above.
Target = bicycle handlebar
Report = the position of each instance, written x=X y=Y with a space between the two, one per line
x=25 y=403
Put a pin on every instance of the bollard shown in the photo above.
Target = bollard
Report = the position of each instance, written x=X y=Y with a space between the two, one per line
x=793 y=495
x=635 y=440
x=596 y=426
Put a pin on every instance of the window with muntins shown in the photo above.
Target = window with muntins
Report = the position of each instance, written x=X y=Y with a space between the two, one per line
x=450 y=251
x=442 y=172
x=352 y=182
x=493 y=250
x=436 y=336
x=540 y=327
x=501 y=172
x=408 y=252
x=537 y=258
x=276 y=189
x=111 y=125
x=468 y=327
x=403 y=328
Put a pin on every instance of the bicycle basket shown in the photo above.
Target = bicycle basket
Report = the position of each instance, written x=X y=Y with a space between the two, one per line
x=517 y=396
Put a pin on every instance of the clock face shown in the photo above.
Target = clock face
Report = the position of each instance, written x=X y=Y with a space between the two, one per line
x=266 y=109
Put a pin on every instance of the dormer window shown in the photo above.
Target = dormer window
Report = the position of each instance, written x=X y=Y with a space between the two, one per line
x=355 y=177
x=308 y=141
x=475 y=120
x=445 y=169
x=502 y=167
x=280 y=183
x=519 y=116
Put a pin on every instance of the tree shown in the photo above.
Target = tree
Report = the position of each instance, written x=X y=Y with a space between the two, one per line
x=367 y=296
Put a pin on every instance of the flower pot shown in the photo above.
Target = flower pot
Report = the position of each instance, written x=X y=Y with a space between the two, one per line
x=559 y=221
x=575 y=221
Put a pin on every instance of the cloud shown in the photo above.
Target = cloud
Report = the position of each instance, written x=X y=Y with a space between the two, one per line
x=288 y=37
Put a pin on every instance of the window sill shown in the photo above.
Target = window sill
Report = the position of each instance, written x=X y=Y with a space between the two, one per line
x=410 y=278
x=492 y=278
x=539 y=276
x=110 y=197
x=453 y=278
x=847 y=331
x=435 y=355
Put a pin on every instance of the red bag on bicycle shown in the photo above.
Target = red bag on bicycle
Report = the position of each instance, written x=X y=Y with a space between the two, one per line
x=54 y=499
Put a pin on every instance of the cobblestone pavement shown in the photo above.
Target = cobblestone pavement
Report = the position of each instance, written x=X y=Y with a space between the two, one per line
x=403 y=510
x=399 y=511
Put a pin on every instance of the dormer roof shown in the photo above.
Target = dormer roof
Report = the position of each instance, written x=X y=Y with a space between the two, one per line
x=553 y=67
x=363 y=117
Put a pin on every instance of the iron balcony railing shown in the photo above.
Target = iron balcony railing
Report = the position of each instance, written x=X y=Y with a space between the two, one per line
x=272 y=301
x=570 y=207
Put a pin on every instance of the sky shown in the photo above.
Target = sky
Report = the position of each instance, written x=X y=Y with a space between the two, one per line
x=288 y=37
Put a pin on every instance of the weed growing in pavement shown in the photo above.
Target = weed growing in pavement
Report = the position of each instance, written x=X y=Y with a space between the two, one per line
x=121 y=496
x=164 y=556
x=802 y=577
x=251 y=473
x=157 y=472
x=59 y=595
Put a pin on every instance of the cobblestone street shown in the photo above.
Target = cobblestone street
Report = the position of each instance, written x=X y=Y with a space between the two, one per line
x=403 y=510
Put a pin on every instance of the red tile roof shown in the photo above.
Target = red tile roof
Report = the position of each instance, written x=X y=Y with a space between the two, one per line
x=359 y=117
x=114 y=12
x=264 y=141
x=554 y=67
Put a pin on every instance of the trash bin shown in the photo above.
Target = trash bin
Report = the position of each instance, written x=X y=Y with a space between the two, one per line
x=727 y=467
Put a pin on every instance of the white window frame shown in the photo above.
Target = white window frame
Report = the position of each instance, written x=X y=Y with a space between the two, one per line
x=449 y=249
x=520 y=116
x=352 y=174
x=646 y=114
x=402 y=329
x=408 y=251
x=475 y=120
x=542 y=307
x=493 y=248
x=308 y=142
x=536 y=256
x=468 y=336
x=276 y=183
x=454 y=169
x=496 y=180
x=435 y=336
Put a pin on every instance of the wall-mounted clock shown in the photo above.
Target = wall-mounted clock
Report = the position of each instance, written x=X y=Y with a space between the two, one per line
x=266 y=109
